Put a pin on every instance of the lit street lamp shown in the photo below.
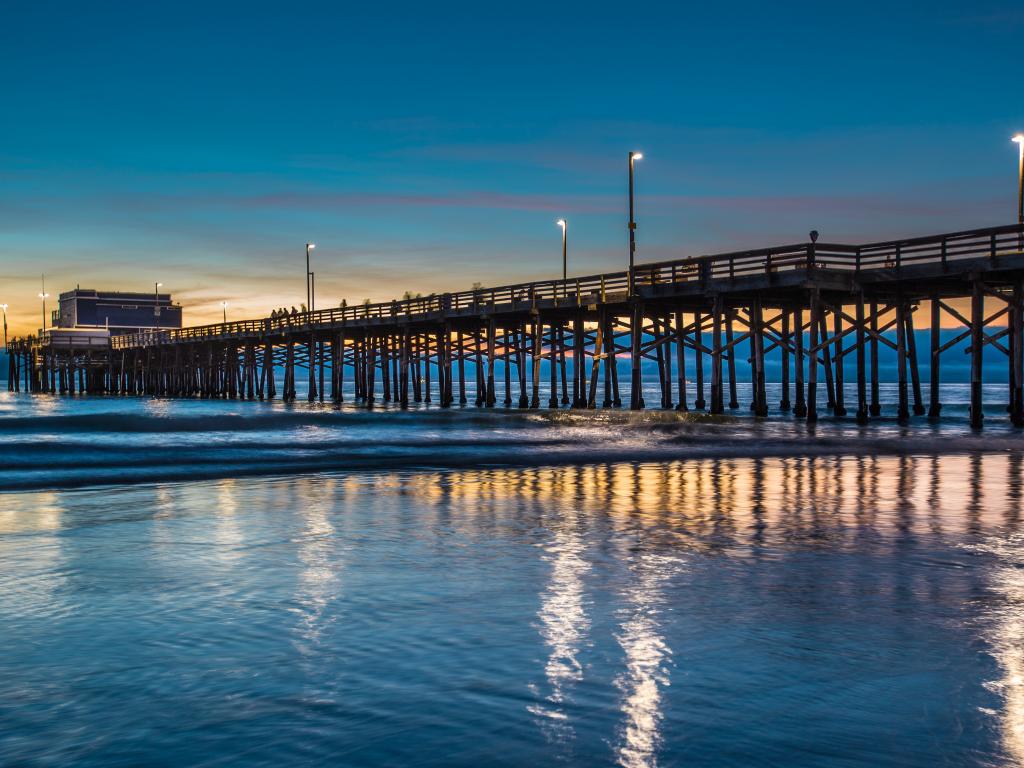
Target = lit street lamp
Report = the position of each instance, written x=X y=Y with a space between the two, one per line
x=633 y=157
x=156 y=299
x=563 y=225
x=309 y=286
x=1019 y=140
x=44 y=296
x=224 y=308
x=4 y=308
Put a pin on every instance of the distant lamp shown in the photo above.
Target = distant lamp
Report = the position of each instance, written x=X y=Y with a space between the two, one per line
x=562 y=223
x=814 y=235
x=224 y=308
x=44 y=296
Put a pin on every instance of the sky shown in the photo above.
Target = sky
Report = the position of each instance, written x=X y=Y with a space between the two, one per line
x=427 y=147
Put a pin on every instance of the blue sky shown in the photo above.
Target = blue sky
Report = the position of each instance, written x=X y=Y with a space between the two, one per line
x=429 y=147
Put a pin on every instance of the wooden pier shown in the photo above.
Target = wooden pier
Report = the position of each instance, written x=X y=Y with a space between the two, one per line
x=810 y=304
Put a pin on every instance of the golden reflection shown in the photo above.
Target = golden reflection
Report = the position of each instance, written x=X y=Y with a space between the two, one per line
x=725 y=503
x=33 y=570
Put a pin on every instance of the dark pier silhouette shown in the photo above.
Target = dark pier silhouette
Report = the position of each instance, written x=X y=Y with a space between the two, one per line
x=811 y=304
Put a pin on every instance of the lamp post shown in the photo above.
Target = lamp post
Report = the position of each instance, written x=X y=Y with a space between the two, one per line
x=4 y=308
x=1019 y=141
x=224 y=308
x=44 y=296
x=563 y=225
x=309 y=286
x=156 y=299
x=633 y=157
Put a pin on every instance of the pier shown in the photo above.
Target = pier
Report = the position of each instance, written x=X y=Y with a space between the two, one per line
x=811 y=304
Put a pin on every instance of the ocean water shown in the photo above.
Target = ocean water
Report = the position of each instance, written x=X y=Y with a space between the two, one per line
x=230 y=583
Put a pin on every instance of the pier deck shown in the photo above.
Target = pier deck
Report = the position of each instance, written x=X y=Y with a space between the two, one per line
x=810 y=304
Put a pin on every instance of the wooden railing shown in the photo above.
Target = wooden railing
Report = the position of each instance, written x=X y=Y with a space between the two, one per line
x=894 y=255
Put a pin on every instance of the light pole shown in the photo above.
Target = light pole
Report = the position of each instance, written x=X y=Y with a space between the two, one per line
x=44 y=296
x=156 y=299
x=4 y=308
x=563 y=225
x=633 y=157
x=309 y=286
x=1019 y=141
x=224 y=307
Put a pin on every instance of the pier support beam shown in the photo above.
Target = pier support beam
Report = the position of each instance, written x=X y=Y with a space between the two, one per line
x=934 y=402
x=862 y=385
x=977 y=328
x=784 y=403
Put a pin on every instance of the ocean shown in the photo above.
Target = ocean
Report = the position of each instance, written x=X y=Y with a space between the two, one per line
x=211 y=583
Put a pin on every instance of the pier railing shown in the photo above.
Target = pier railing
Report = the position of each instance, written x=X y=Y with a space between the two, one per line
x=991 y=243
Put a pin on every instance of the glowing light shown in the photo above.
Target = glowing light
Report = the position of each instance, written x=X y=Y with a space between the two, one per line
x=638 y=155
x=561 y=223
x=1019 y=138
x=311 y=246
x=44 y=295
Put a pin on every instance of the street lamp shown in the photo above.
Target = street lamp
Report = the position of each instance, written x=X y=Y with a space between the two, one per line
x=156 y=299
x=563 y=225
x=633 y=157
x=1019 y=140
x=4 y=308
x=44 y=296
x=224 y=308
x=309 y=287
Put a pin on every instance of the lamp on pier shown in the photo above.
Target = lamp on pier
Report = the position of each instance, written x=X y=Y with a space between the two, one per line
x=1019 y=141
x=4 y=308
x=563 y=225
x=44 y=296
x=156 y=299
x=633 y=157
x=309 y=285
x=224 y=308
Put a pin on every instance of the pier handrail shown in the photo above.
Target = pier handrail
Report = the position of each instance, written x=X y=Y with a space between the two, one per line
x=990 y=242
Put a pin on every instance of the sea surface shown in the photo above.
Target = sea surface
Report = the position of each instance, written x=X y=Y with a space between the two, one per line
x=218 y=583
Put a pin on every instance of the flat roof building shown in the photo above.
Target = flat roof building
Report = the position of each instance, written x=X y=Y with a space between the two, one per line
x=117 y=311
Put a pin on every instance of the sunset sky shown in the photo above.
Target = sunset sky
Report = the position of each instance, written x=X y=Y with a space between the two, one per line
x=426 y=147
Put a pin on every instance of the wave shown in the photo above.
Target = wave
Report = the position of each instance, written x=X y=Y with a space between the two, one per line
x=41 y=465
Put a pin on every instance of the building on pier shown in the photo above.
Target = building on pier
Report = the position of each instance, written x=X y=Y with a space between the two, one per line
x=117 y=311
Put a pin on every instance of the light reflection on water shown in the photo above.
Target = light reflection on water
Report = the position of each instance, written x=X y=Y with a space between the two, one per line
x=563 y=620
x=723 y=611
